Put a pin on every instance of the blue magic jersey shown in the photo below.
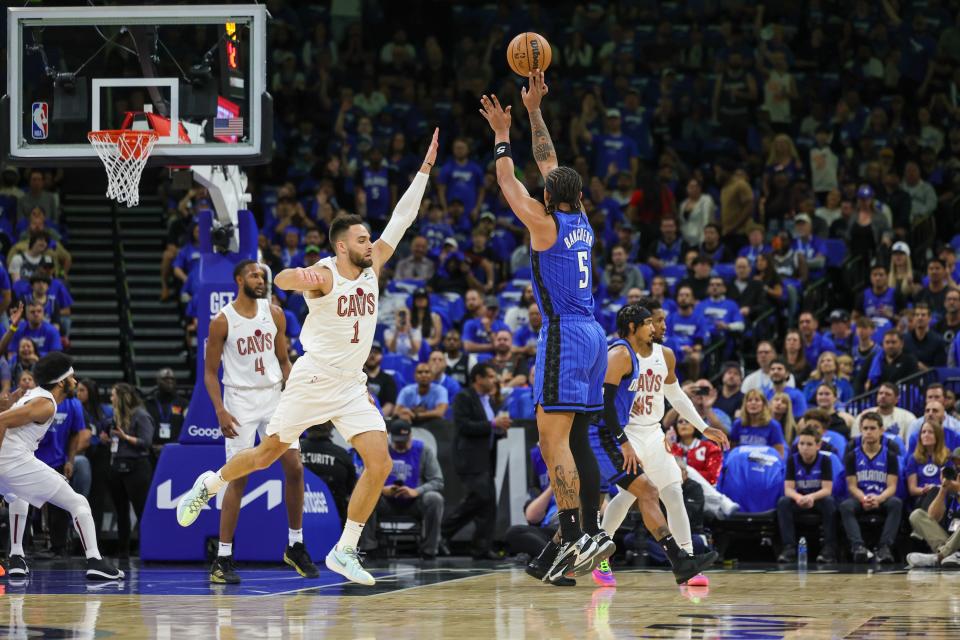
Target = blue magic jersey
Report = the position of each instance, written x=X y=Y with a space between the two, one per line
x=563 y=274
x=627 y=387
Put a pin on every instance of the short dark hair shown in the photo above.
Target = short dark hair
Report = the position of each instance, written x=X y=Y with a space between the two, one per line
x=651 y=304
x=938 y=261
x=818 y=415
x=50 y=367
x=874 y=417
x=921 y=305
x=480 y=369
x=892 y=332
x=933 y=385
x=891 y=386
x=340 y=225
x=809 y=431
x=35 y=236
x=630 y=314
x=243 y=264
x=779 y=360
x=712 y=224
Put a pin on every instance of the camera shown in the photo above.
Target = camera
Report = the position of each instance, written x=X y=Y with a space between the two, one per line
x=701 y=391
x=950 y=473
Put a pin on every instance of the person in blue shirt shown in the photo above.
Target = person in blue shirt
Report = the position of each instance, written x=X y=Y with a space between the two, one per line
x=924 y=465
x=438 y=365
x=779 y=379
x=380 y=194
x=813 y=248
x=814 y=343
x=808 y=485
x=939 y=523
x=841 y=332
x=668 y=249
x=436 y=230
x=188 y=257
x=66 y=437
x=478 y=332
x=423 y=401
x=879 y=300
x=827 y=373
x=756 y=425
x=291 y=256
x=872 y=471
x=44 y=335
x=723 y=313
x=613 y=152
x=461 y=178
x=688 y=328
x=755 y=246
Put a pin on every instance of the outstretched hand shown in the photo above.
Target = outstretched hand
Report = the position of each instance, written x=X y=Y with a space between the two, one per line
x=431 y=157
x=538 y=89
x=496 y=116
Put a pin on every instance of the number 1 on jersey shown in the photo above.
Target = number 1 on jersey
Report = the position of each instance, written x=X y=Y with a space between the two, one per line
x=584 y=269
x=356 y=332
x=258 y=366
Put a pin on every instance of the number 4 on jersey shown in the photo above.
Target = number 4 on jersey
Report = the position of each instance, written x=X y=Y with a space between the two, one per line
x=258 y=366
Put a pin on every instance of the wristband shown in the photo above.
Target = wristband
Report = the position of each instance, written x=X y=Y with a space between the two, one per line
x=501 y=150
x=621 y=437
x=13 y=328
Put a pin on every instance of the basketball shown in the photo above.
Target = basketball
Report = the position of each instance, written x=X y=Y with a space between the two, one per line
x=528 y=51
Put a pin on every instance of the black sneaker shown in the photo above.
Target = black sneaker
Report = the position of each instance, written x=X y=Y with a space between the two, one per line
x=537 y=568
x=884 y=555
x=788 y=555
x=606 y=547
x=861 y=554
x=17 y=566
x=573 y=559
x=297 y=557
x=690 y=565
x=98 y=569
x=224 y=571
x=827 y=556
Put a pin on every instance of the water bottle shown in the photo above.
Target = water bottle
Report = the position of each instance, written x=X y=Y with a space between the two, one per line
x=802 y=553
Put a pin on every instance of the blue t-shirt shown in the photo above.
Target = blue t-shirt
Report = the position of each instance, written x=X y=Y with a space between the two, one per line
x=463 y=182
x=46 y=337
x=58 y=291
x=843 y=387
x=474 y=331
x=719 y=311
x=818 y=345
x=68 y=420
x=928 y=473
x=767 y=435
x=617 y=149
x=187 y=258
x=797 y=399
x=409 y=397
x=525 y=336
x=376 y=185
x=688 y=330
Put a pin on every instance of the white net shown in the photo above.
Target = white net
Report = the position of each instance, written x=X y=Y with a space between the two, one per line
x=124 y=155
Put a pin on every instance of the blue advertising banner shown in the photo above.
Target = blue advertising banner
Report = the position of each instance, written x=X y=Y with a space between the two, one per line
x=215 y=289
x=262 y=530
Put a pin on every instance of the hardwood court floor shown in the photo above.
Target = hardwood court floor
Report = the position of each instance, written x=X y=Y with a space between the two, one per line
x=498 y=602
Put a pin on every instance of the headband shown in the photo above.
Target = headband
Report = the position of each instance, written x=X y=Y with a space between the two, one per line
x=63 y=377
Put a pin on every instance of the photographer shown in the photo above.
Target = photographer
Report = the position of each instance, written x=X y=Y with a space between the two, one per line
x=404 y=338
x=939 y=523
x=703 y=395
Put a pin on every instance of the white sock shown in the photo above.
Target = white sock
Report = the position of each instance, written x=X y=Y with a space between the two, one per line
x=214 y=483
x=18 y=525
x=294 y=536
x=225 y=549
x=351 y=535
x=616 y=511
x=83 y=523
x=672 y=498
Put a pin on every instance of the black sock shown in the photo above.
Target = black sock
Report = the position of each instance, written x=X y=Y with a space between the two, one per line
x=570 y=530
x=549 y=553
x=672 y=549
x=591 y=522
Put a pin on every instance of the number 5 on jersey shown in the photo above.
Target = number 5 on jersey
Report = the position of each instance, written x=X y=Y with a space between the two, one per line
x=584 y=269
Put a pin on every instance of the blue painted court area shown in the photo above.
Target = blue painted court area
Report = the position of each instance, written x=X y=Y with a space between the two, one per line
x=67 y=578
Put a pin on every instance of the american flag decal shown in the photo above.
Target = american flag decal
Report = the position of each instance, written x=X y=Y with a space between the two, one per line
x=228 y=126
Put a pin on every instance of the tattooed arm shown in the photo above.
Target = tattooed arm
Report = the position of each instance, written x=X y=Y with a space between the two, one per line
x=543 y=150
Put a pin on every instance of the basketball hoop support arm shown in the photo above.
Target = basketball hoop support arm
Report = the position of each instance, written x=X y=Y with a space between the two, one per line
x=227 y=186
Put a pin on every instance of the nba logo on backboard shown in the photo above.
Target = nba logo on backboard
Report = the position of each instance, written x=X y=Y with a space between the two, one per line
x=39 y=125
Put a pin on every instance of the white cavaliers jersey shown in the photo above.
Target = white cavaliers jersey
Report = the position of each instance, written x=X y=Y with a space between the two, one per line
x=23 y=441
x=249 y=352
x=339 y=328
x=647 y=408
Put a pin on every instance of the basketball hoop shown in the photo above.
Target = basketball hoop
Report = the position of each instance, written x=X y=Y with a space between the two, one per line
x=124 y=153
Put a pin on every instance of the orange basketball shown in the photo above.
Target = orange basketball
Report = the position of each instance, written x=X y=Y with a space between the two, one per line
x=528 y=51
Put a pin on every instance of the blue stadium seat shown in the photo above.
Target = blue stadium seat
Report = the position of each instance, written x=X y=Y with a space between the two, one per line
x=955 y=242
x=753 y=478
x=725 y=270
x=836 y=252
x=517 y=284
x=400 y=366
x=647 y=272
x=523 y=273
x=674 y=274
x=404 y=286
x=838 y=441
